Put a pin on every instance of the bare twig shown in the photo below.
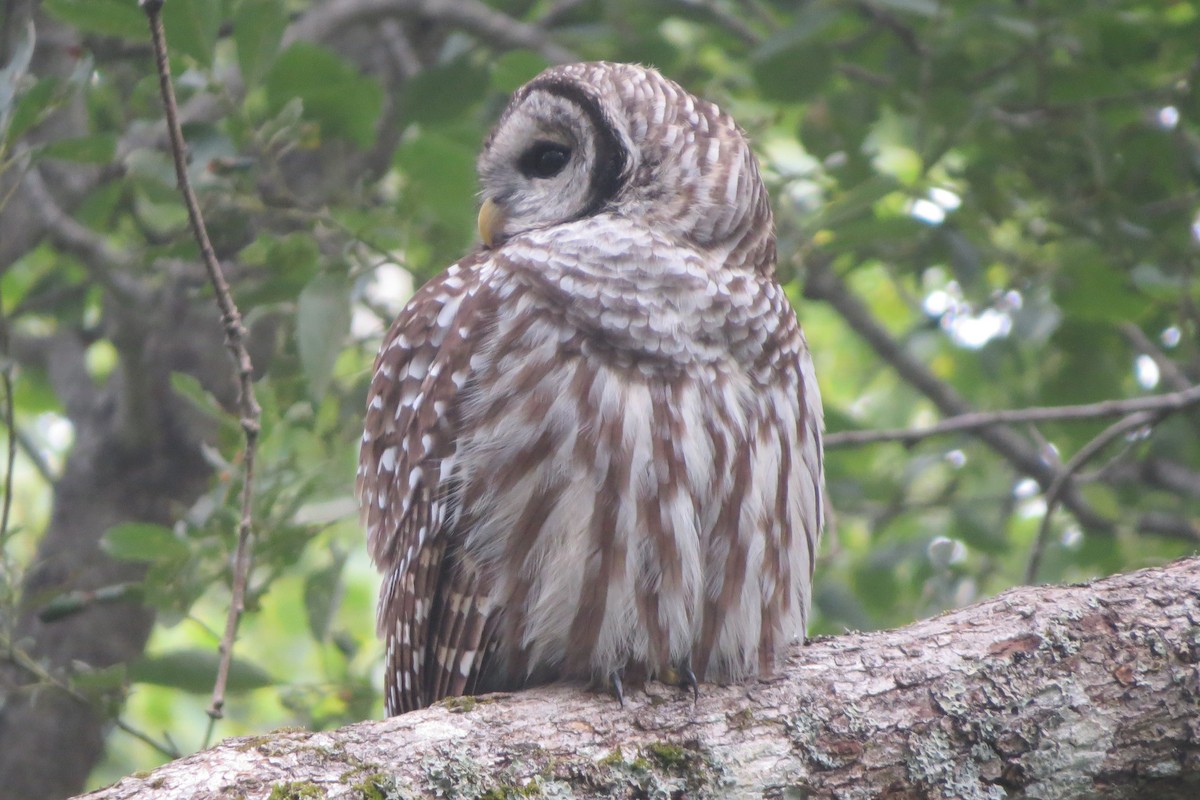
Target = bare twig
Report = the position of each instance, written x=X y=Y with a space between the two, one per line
x=1160 y=473
x=726 y=19
x=490 y=25
x=1175 y=526
x=1169 y=370
x=557 y=12
x=36 y=457
x=892 y=22
x=31 y=665
x=823 y=283
x=234 y=339
x=974 y=421
x=10 y=459
x=167 y=749
x=7 y=579
x=1062 y=479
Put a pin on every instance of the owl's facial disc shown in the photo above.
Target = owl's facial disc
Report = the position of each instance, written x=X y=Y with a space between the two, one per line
x=549 y=160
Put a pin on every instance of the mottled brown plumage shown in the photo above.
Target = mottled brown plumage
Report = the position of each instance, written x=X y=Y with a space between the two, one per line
x=594 y=445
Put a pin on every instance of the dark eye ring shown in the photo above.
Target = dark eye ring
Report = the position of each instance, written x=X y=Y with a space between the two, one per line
x=544 y=160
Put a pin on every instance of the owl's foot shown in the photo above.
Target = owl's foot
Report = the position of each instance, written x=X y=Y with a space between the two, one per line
x=687 y=679
x=681 y=675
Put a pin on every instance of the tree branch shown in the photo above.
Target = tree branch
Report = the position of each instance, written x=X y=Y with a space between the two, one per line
x=977 y=420
x=1086 y=453
x=111 y=268
x=824 y=284
x=1169 y=370
x=491 y=26
x=1084 y=691
x=235 y=335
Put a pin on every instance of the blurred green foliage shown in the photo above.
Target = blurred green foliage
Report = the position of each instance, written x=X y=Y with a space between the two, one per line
x=1005 y=185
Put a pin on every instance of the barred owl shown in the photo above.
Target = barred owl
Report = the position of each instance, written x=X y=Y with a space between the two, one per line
x=593 y=446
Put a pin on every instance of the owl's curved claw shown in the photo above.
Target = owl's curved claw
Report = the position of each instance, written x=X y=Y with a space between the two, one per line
x=614 y=680
x=687 y=679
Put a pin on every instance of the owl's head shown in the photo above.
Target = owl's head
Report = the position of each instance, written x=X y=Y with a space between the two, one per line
x=582 y=140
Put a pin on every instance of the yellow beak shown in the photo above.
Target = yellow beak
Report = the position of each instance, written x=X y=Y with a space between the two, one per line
x=491 y=222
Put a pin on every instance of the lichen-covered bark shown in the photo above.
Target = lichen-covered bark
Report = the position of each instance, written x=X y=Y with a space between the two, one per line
x=1086 y=691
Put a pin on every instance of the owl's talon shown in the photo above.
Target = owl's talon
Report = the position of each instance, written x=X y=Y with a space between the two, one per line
x=614 y=679
x=687 y=679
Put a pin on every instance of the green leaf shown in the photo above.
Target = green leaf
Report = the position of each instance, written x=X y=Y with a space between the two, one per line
x=334 y=95
x=143 y=541
x=856 y=201
x=514 y=68
x=96 y=681
x=98 y=148
x=11 y=77
x=1098 y=291
x=292 y=261
x=444 y=93
x=191 y=27
x=258 y=27
x=119 y=18
x=442 y=173
x=70 y=603
x=322 y=590
x=791 y=71
x=195 y=670
x=797 y=61
x=322 y=320
x=190 y=387
x=32 y=107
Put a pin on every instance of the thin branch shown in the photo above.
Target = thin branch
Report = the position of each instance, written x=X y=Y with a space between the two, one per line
x=168 y=749
x=399 y=48
x=490 y=25
x=63 y=357
x=557 y=12
x=10 y=459
x=8 y=581
x=110 y=267
x=1063 y=479
x=21 y=659
x=892 y=22
x=1169 y=370
x=235 y=333
x=762 y=12
x=977 y=420
x=36 y=457
x=728 y=20
x=1160 y=473
x=1163 y=524
x=823 y=283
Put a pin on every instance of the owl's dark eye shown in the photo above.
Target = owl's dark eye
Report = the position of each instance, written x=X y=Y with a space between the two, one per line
x=544 y=160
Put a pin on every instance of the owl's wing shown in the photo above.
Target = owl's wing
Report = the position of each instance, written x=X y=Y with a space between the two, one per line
x=405 y=463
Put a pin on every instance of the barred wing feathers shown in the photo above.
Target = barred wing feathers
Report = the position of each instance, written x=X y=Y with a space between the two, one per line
x=405 y=463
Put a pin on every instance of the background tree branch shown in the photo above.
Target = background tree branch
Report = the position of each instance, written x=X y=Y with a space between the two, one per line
x=1085 y=691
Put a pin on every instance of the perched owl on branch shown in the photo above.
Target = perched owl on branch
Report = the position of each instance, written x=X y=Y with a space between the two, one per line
x=593 y=446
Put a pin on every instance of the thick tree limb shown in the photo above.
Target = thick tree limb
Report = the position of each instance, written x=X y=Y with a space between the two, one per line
x=1085 y=691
